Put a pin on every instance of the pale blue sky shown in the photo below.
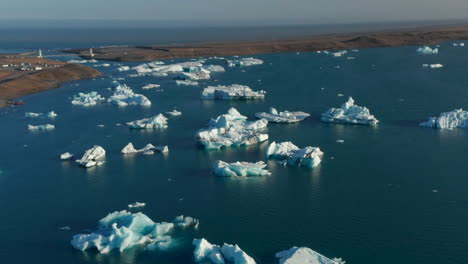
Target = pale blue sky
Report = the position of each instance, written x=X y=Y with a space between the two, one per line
x=224 y=11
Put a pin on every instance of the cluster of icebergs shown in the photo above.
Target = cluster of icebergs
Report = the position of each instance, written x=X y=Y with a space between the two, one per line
x=240 y=169
x=147 y=150
x=349 y=113
x=87 y=99
x=158 y=121
x=231 y=129
x=454 y=119
x=243 y=62
x=230 y=92
x=282 y=117
x=50 y=114
x=124 y=96
x=427 y=50
x=291 y=155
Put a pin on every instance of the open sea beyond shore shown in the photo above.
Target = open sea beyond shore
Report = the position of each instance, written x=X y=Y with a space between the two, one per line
x=391 y=193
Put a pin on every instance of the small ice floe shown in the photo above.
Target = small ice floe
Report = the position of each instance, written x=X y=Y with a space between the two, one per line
x=77 y=61
x=282 y=117
x=51 y=114
x=214 y=68
x=243 y=62
x=92 y=157
x=349 y=113
x=136 y=205
x=231 y=92
x=87 y=99
x=45 y=127
x=100 y=125
x=350 y=58
x=461 y=44
x=147 y=150
x=339 y=141
x=454 y=119
x=240 y=169
x=186 y=83
x=195 y=74
x=435 y=190
x=340 y=95
x=427 y=50
x=158 y=121
x=291 y=155
x=433 y=66
x=123 y=230
x=66 y=156
x=32 y=115
x=123 y=68
x=64 y=228
x=186 y=221
x=303 y=255
x=205 y=252
x=174 y=113
x=339 y=53
x=150 y=86
x=231 y=129
x=124 y=96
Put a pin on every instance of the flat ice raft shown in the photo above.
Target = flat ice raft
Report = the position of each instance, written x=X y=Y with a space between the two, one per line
x=291 y=155
x=282 y=117
x=158 y=121
x=231 y=129
x=45 y=127
x=240 y=169
x=303 y=255
x=231 y=92
x=205 y=252
x=123 y=230
x=454 y=119
x=349 y=113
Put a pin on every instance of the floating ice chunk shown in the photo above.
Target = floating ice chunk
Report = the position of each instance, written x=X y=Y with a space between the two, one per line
x=124 y=96
x=77 y=61
x=158 y=121
x=293 y=156
x=92 y=157
x=123 y=68
x=349 y=113
x=459 y=44
x=87 y=99
x=234 y=91
x=427 y=50
x=123 y=230
x=32 y=115
x=244 y=62
x=148 y=149
x=454 y=119
x=303 y=255
x=65 y=228
x=339 y=141
x=174 y=113
x=231 y=129
x=186 y=221
x=150 y=86
x=186 y=83
x=207 y=252
x=282 y=117
x=129 y=149
x=136 y=205
x=51 y=114
x=162 y=149
x=214 y=68
x=243 y=169
x=66 y=156
x=41 y=127
x=339 y=53
x=194 y=74
x=433 y=66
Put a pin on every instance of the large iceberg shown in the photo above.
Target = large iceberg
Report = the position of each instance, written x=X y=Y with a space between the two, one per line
x=160 y=69
x=206 y=252
x=234 y=91
x=349 y=113
x=456 y=118
x=147 y=150
x=123 y=230
x=124 y=96
x=243 y=62
x=92 y=157
x=303 y=255
x=158 y=121
x=291 y=155
x=195 y=74
x=282 y=117
x=427 y=50
x=241 y=169
x=87 y=99
x=231 y=129
x=41 y=127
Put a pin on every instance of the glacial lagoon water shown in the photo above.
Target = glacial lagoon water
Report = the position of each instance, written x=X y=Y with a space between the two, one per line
x=393 y=193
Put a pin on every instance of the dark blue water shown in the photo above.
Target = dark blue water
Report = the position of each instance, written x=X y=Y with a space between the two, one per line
x=370 y=201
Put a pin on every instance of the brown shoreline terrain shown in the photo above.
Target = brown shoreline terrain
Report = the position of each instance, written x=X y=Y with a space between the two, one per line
x=23 y=74
x=422 y=36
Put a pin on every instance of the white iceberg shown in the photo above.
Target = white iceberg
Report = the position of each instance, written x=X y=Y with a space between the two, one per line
x=282 y=117
x=240 y=169
x=51 y=115
x=230 y=92
x=461 y=44
x=160 y=69
x=123 y=230
x=454 y=119
x=231 y=129
x=195 y=74
x=136 y=205
x=41 y=127
x=291 y=155
x=150 y=86
x=123 y=68
x=186 y=83
x=214 y=68
x=427 y=50
x=186 y=221
x=206 y=252
x=32 y=115
x=92 y=157
x=244 y=62
x=349 y=113
x=87 y=99
x=124 y=96
x=148 y=149
x=174 y=113
x=66 y=156
x=303 y=255
x=158 y=121
x=338 y=53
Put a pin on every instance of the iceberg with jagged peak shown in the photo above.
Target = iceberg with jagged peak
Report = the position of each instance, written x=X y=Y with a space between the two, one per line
x=427 y=50
x=41 y=127
x=205 y=252
x=158 y=121
x=123 y=230
x=87 y=99
x=147 y=150
x=303 y=255
x=454 y=119
x=195 y=74
x=292 y=155
x=231 y=129
x=349 y=113
x=124 y=96
x=92 y=157
x=282 y=117
x=240 y=169
x=234 y=91
x=243 y=62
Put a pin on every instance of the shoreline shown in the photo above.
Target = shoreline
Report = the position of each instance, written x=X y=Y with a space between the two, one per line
x=386 y=38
